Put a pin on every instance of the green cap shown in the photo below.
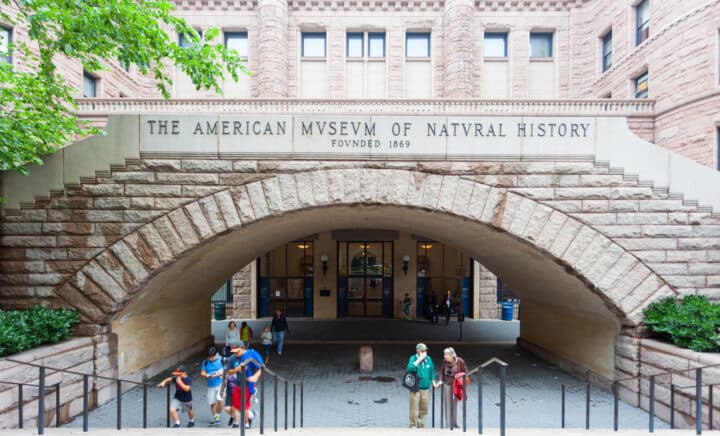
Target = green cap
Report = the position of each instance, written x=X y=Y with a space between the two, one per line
x=421 y=347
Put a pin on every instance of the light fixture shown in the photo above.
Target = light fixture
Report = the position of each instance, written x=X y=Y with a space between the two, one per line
x=425 y=246
x=324 y=260
x=303 y=246
x=406 y=263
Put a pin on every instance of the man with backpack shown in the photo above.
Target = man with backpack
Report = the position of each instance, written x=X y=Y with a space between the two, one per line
x=422 y=366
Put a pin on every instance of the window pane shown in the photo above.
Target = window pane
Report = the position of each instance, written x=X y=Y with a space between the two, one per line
x=237 y=41
x=642 y=21
x=641 y=86
x=541 y=45
x=495 y=45
x=376 y=45
x=5 y=39
x=186 y=40
x=89 y=86
x=607 y=51
x=417 y=45
x=354 y=45
x=313 y=44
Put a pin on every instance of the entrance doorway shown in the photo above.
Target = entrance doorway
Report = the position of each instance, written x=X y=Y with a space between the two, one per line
x=365 y=279
x=286 y=280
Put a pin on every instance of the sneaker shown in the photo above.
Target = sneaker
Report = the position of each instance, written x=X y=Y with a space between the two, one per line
x=177 y=425
x=230 y=421
x=235 y=426
x=251 y=416
x=191 y=424
x=216 y=419
x=247 y=425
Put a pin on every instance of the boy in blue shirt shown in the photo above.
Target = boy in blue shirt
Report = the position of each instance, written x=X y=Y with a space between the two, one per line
x=253 y=362
x=212 y=370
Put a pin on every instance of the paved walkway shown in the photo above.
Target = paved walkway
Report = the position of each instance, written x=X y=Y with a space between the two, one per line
x=337 y=395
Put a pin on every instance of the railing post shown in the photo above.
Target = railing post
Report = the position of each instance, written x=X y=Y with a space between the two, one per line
x=262 y=405
x=119 y=404
x=464 y=404
x=20 y=406
x=144 y=412
x=442 y=406
x=275 y=409
x=587 y=406
x=651 y=415
x=432 y=413
x=243 y=387
x=502 y=400
x=86 y=405
x=167 y=406
x=286 y=404
x=302 y=384
x=293 y=405
x=562 y=406
x=57 y=404
x=672 y=405
x=710 y=407
x=41 y=401
x=698 y=401
x=480 y=403
x=615 y=406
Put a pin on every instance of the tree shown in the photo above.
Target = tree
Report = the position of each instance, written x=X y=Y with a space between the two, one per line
x=38 y=106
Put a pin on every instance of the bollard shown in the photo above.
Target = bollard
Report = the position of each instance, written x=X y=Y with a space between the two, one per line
x=651 y=415
x=167 y=408
x=442 y=407
x=562 y=406
x=293 y=405
x=275 y=409
x=41 y=402
x=20 y=406
x=57 y=405
x=615 y=406
x=286 y=404
x=710 y=407
x=480 y=404
x=145 y=392
x=262 y=405
x=698 y=401
x=503 y=376
x=587 y=406
x=86 y=405
x=119 y=404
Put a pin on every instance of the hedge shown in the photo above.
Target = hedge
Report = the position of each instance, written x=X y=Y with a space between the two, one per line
x=691 y=322
x=23 y=330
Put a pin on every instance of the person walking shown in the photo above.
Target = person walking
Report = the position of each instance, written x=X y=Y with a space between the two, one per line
x=449 y=306
x=232 y=335
x=452 y=367
x=279 y=328
x=183 y=396
x=253 y=364
x=246 y=334
x=407 y=306
x=266 y=338
x=212 y=370
x=421 y=364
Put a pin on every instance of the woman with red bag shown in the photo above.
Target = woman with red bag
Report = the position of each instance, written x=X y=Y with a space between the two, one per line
x=452 y=367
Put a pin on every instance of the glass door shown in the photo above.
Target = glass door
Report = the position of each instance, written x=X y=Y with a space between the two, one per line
x=366 y=268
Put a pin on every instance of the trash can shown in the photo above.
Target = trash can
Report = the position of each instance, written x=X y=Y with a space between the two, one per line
x=506 y=310
x=219 y=311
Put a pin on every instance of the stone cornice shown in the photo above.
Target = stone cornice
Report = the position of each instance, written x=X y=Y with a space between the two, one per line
x=94 y=108
x=381 y=5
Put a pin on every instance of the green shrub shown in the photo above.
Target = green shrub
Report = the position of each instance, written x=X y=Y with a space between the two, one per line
x=22 y=330
x=692 y=322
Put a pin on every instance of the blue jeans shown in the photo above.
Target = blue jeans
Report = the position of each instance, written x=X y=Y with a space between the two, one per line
x=278 y=339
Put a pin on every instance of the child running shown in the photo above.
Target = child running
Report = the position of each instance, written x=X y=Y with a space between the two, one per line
x=266 y=341
x=183 y=396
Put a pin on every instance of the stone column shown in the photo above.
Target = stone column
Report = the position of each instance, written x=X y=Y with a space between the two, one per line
x=243 y=284
x=486 y=292
x=271 y=65
x=458 y=48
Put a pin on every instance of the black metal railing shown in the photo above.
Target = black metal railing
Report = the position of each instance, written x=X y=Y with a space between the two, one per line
x=652 y=382
x=43 y=390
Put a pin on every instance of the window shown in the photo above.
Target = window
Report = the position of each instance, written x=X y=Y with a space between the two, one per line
x=641 y=86
x=642 y=21
x=376 y=44
x=541 y=45
x=607 y=51
x=186 y=40
x=355 y=44
x=495 y=45
x=5 y=40
x=237 y=41
x=417 y=45
x=89 y=85
x=313 y=44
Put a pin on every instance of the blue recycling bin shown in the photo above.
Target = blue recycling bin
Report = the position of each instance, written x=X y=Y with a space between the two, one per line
x=506 y=310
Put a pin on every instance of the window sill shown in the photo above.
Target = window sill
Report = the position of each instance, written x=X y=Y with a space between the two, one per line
x=495 y=59
x=313 y=59
x=545 y=59
x=417 y=59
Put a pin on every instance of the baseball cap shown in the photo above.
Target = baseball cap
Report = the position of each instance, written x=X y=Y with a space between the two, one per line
x=179 y=370
x=421 y=347
x=239 y=346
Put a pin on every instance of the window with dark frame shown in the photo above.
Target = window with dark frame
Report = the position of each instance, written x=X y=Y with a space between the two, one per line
x=376 y=44
x=237 y=41
x=641 y=85
x=607 y=51
x=355 y=45
x=89 y=85
x=313 y=44
x=417 y=44
x=185 y=40
x=288 y=271
x=642 y=21
x=5 y=40
x=495 y=45
x=541 y=44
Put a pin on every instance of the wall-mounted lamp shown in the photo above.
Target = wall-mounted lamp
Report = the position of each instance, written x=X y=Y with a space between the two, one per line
x=324 y=260
x=406 y=263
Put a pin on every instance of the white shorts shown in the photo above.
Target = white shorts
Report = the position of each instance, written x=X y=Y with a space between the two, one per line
x=181 y=405
x=213 y=395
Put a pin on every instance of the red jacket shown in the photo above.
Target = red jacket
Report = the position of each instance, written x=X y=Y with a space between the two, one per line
x=458 y=385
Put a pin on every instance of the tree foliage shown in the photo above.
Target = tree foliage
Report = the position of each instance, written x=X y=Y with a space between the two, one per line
x=38 y=105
